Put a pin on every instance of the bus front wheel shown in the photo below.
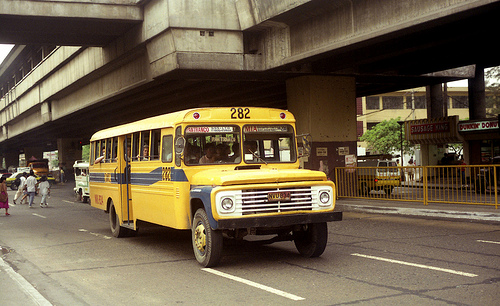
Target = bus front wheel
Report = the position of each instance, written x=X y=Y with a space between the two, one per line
x=207 y=243
x=311 y=240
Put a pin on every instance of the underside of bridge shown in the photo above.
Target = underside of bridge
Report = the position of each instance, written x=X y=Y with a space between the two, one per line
x=429 y=53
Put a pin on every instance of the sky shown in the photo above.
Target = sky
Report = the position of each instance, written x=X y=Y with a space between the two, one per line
x=5 y=49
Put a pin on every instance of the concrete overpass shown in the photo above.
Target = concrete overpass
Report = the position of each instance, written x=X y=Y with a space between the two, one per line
x=122 y=60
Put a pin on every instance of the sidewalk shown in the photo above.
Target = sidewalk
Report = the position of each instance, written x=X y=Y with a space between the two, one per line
x=458 y=212
x=16 y=290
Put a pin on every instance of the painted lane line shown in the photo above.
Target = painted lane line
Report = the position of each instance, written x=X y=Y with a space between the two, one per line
x=34 y=214
x=486 y=241
x=94 y=234
x=254 y=284
x=65 y=201
x=416 y=265
x=35 y=296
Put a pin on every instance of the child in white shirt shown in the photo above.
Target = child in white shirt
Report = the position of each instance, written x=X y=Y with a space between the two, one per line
x=44 y=190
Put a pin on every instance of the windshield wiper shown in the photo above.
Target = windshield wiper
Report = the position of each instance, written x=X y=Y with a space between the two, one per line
x=257 y=156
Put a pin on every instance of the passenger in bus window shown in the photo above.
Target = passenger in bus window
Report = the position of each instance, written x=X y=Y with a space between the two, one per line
x=100 y=158
x=145 y=153
x=250 y=150
x=192 y=154
x=210 y=154
x=236 y=157
x=222 y=152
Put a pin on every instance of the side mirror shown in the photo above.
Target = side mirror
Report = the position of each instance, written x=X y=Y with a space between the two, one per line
x=305 y=148
x=179 y=144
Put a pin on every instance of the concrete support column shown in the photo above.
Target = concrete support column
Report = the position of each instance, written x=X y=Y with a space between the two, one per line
x=325 y=107
x=435 y=101
x=69 y=150
x=477 y=95
x=436 y=108
x=477 y=110
x=11 y=159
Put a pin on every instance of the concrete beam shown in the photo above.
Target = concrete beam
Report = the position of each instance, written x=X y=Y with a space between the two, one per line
x=66 y=22
x=255 y=12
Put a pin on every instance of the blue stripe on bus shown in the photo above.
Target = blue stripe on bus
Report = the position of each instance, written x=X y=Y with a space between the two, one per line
x=203 y=193
x=143 y=179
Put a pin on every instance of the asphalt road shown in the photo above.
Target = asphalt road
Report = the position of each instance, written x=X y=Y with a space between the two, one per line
x=67 y=255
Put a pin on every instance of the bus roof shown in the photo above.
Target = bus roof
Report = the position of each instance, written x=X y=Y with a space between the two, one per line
x=212 y=115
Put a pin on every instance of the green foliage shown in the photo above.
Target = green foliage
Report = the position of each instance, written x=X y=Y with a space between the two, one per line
x=85 y=152
x=385 y=137
x=492 y=77
x=54 y=163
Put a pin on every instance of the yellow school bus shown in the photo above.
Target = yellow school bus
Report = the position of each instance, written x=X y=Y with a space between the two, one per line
x=215 y=171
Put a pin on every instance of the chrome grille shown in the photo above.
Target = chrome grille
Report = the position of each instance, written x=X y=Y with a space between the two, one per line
x=256 y=201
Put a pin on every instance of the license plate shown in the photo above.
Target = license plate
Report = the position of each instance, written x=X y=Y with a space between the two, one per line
x=278 y=196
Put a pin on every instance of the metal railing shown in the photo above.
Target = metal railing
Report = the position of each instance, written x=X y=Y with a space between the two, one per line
x=460 y=184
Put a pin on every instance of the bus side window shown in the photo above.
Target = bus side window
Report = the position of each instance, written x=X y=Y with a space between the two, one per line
x=135 y=146
x=128 y=152
x=92 y=152
x=107 y=159
x=167 y=149
x=155 y=144
x=144 y=155
x=100 y=150
x=114 y=149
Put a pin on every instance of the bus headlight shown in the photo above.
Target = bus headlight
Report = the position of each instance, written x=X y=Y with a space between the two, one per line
x=227 y=204
x=324 y=198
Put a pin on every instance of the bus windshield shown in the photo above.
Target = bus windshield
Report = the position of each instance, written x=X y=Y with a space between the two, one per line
x=268 y=143
x=214 y=144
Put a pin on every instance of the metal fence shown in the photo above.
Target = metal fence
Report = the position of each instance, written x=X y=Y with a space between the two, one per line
x=461 y=184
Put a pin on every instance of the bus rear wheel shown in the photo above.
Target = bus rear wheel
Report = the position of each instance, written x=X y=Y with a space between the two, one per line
x=114 y=223
x=207 y=243
x=311 y=240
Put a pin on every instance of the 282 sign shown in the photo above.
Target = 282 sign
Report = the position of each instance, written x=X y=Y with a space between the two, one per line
x=240 y=113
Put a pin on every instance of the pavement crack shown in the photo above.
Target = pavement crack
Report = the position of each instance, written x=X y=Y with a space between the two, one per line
x=402 y=291
x=117 y=266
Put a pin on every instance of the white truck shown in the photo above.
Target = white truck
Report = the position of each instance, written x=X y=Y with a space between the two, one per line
x=81 y=169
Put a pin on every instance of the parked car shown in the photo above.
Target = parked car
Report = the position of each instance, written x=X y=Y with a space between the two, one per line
x=382 y=175
x=483 y=178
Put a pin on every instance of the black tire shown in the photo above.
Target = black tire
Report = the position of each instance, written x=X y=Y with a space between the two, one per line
x=363 y=190
x=311 y=241
x=480 y=186
x=388 y=191
x=114 y=223
x=14 y=186
x=207 y=243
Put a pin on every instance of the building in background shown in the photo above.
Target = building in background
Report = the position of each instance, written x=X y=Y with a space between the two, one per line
x=408 y=105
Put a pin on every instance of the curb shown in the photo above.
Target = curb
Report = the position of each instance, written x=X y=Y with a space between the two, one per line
x=484 y=217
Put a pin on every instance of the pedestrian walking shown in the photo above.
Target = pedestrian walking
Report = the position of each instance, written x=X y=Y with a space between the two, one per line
x=4 y=197
x=20 y=188
x=44 y=190
x=411 y=170
x=31 y=187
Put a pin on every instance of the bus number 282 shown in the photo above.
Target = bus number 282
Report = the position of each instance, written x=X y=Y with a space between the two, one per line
x=240 y=113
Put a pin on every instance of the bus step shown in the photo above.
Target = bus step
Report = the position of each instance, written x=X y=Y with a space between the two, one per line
x=129 y=225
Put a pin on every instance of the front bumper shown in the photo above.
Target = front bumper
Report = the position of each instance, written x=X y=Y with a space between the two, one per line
x=279 y=221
